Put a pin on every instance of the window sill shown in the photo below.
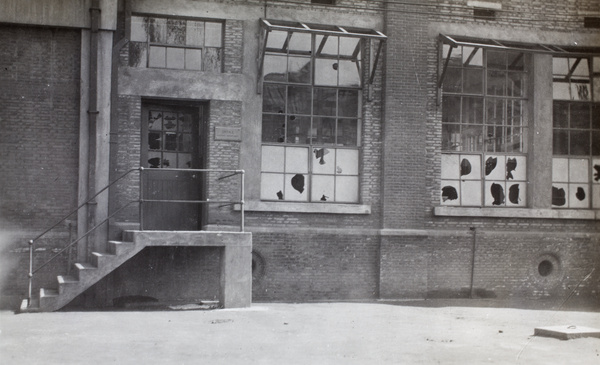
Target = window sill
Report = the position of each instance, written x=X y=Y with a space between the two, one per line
x=289 y=207
x=587 y=214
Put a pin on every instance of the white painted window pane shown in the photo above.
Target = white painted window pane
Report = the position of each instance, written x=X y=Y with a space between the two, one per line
x=300 y=42
x=213 y=34
x=157 y=57
x=273 y=159
x=323 y=161
x=596 y=196
x=175 y=58
x=560 y=195
x=271 y=186
x=194 y=35
x=296 y=187
x=579 y=196
x=495 y=167
x=322 y=188
x=450 y=167
x=470 y=168
x=476 y=58
x=470 y=193
x=578 y=170
x=330 y=47
x=138 y=30
x=346 y=189
x=516 y=168
x=516 y=194
x=561 y=91
x=348 y=45
x=560 y=170
x=296 y=160
x=450 y=192
x=495 y=193
x=326 y=72
x=560 y=66
x=193 y=59
x=347 y=162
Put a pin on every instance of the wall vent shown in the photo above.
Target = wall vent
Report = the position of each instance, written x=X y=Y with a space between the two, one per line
x=484 y=14
x=591 y=22
x=323 y=2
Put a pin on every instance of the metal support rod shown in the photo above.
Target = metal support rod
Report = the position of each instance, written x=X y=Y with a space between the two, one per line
x=141 y=194
x=30 y=274
x=472 y=291
x=242 y=193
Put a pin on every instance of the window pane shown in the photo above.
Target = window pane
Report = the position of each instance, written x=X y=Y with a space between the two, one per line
x=472 y=110
x=300 y=42
x=170 y=141
x=184 y=161
x=451 y=109
x=185 y=142
x=194 y=35
x=272 y=158
x=495 y=111
x=274 y=98
x=581 y=90
x=596 y=145
x=193 y=59
x=560 y=115
x=157 y=30
x=154 y=141
x=298 y=129
x=471 y=138
x=296 y=187
x=299 y=98
x=516 y=84
x=271 y=186
x=451 y=140
x=296 y=160
x=324 y=129
x=346 y=189
x=560 y=142
x=169 y=160
x=347 y=132
x=273 y=128
x=561 y=91
x=473 y=81
x=323 y=161
x=580 y=116
x=496 y=60
x=455 y=56
x=156 y=58
x=596 y=116
x=324 y=102
x=175 y=58
x=578 y=170
x=496 y=83
x=580 y=143
x=348 y=103
x=515 y=61
x=299 y=69
x=276 y=39
x=155 y=120
x=472 y=56
x=329 y=45
x=212 y=34
x=176 y=31
x=154 y=160
x=348 y=45
x=470 y=193
x=349 y=73
x=326 y=72
x=212 y=59
x=323 y=188
x=560 y=170
x=138 y=29
x=346 y=162
x=275 y=68
x=453 y=80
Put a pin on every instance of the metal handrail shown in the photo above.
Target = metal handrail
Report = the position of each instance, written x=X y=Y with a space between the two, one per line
x=140 y=201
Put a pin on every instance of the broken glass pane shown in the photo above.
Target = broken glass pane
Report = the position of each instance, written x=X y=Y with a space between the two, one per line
x=323 y=188
x=154 y=140
x=271 y=186
x=184 y=161
x=323 y=161
x=155 y=120
x=170 y=121
x=154 y=160
x=296 y=187
x=455 y=56
x=169 y=160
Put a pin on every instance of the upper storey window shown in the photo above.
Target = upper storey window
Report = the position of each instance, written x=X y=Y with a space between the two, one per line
x=176 y=43
x=312 y=119
x=576 y=132
x=484 y=127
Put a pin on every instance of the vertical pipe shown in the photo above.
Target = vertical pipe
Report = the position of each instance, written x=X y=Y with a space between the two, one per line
x=30 y=274
x=242 y=201
x=141 y=199
x=472 y=291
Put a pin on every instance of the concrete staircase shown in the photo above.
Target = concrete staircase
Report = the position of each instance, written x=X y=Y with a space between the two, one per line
x=85 y=275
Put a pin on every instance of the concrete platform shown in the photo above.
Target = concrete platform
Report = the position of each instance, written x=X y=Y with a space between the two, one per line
x=567 y=332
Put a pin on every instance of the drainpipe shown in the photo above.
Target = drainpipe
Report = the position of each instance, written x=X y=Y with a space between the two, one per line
x=93 y=114
x=472 y=291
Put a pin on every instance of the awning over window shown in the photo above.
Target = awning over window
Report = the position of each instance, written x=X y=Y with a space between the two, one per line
x=277 y=36
x=484 y=43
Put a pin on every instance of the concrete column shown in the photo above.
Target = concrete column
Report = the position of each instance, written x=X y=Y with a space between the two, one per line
x=236 y=276
x=539 y=164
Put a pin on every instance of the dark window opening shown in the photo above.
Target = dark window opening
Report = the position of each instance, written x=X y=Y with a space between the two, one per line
x=484 y=14
x=591 y=22
x=324 y=2
x=545 y=268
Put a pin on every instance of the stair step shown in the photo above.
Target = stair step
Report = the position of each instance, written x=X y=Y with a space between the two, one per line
x=119 y=247
x=47 y=293
x=98 y=258
x=64 y=281
x=26 y=307
x=82 y=268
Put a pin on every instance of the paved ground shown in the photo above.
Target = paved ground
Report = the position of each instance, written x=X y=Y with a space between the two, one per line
x=426 y=332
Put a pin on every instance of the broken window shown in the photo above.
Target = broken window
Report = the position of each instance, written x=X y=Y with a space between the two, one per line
x=576 y=132
x=188 y=44
x=312 y=91
x=484 y=126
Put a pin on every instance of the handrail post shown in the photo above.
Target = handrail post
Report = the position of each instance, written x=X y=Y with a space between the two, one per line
x=242 y=201
x=141 y=198
x=30 y=274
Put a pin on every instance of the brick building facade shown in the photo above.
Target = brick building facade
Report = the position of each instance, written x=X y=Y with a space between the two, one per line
x=364 y=129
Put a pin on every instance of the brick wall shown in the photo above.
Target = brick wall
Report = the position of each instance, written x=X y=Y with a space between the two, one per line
x=39 y=114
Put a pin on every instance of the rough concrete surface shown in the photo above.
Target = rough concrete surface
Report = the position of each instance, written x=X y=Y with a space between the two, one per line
x=314 y=333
